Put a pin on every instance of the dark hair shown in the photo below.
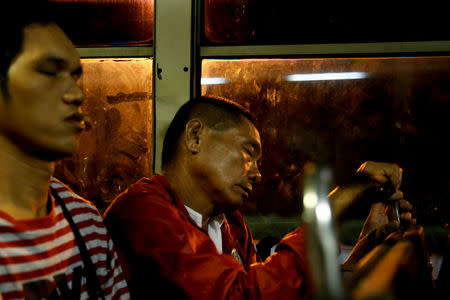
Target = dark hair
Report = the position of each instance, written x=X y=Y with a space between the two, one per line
x=216 y=112
x=14 y=17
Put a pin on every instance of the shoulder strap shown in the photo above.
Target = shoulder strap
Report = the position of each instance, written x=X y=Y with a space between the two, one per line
x=94 y=288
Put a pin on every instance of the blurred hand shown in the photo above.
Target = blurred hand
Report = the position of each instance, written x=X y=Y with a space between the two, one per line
x=380 y=222
x=379 y=217
x=382 y=173
x=373 y=173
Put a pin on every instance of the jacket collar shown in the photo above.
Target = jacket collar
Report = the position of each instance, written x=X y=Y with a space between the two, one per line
x=175 y=200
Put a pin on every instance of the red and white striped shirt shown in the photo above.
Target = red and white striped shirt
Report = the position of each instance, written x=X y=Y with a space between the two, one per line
x=40 y=259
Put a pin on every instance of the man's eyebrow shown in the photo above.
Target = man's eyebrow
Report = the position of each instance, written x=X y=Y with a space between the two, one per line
x=58 y=61
x=61 y=63
x=255 y=145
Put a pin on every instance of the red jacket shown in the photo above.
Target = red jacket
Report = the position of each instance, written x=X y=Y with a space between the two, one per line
x=162 y=248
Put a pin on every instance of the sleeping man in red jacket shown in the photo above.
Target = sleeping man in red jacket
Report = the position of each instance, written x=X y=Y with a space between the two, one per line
x=181 y=235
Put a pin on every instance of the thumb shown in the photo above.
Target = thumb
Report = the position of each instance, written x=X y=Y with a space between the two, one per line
x=387 y=229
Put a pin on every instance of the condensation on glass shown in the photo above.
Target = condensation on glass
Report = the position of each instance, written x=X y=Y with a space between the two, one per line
x=281 y=22
x=107 y=22
x=115 y=150
x=342 y=112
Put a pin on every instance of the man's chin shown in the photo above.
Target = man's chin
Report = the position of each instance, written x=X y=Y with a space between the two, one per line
x=237 y=204
x=229 y=207
x=51 y=154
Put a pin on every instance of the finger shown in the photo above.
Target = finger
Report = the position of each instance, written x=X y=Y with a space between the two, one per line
x=380 y=178
x=406 y=217
x=387 y=229
x=395 y=174
x=405 y=205
x=397 y=195
x=400 y=175
x=392 y=226
x=383 y=172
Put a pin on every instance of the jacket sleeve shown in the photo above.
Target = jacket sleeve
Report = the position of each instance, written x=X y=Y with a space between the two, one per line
x=153 y=238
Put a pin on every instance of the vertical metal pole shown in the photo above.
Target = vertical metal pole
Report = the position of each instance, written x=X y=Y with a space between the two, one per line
x=172 y=66
x=322 y=242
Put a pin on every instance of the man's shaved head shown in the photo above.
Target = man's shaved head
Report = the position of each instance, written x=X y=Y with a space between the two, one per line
x=216 y=113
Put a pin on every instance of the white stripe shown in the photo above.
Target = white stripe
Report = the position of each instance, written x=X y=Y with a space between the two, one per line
x=33 y=234
x=36 y=249
x=10 y=286
x=5 y=223
x=44 y=263
x=56 y=185
x=66 y=194
x=103 y=246
x=43 y=248
x=111 y=279
x=87 y=216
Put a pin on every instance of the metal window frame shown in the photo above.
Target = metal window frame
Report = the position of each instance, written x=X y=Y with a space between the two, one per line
x=320 y=50
x=112 y=52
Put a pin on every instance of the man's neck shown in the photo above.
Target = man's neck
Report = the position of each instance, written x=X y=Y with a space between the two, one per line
x=24 y=182
x=189 y=193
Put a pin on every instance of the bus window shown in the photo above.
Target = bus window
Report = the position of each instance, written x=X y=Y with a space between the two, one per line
x=342 y=112
x=283 y=22
x=106 y=22
x=115 y=150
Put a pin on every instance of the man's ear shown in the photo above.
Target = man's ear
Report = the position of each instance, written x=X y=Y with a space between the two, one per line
x=192 y=132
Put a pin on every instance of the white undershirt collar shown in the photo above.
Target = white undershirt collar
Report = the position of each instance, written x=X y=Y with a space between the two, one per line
x=214 y=226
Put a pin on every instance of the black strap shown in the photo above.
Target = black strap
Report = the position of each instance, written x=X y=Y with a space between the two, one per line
x=94 y=289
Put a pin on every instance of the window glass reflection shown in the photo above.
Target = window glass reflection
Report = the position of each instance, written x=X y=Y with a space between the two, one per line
x=107 y=22
x=115 y=150
x=343 y=112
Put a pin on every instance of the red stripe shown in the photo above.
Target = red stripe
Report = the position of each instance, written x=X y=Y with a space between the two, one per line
x=100 y=241
x=100 y=238
x=38 y=256
x=82 y=211
x=72 y=197
x=44 y=223
x=117 y=279
x=107 y=292
x=13 y=295
x=39 y=240
x=61 y=266
x=119 y=293
x=85 y=224
x=52 y=236
x=33 y=224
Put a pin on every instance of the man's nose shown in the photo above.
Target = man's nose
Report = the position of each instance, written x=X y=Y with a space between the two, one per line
x=74 y=95
x=254 y=173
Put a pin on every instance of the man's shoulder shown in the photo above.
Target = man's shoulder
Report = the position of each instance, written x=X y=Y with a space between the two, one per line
x=148 y=189
x=82 y=211
x=147 y=195
x=67 y=194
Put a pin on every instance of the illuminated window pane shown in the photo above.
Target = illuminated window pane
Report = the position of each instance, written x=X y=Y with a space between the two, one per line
x=107 y=22
x=116 y=148
x=267 y=21
x=343 y=112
